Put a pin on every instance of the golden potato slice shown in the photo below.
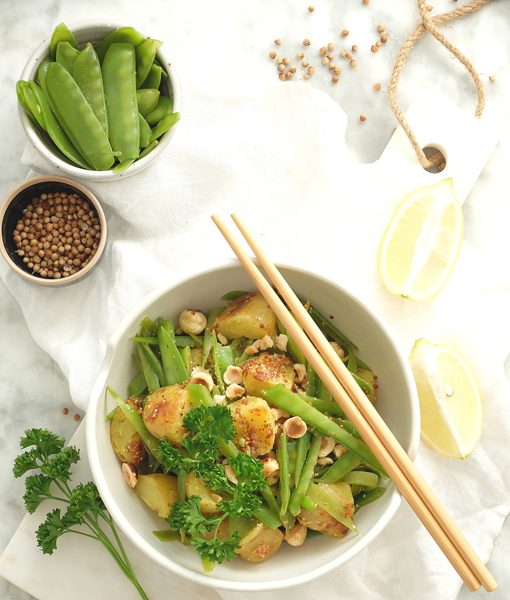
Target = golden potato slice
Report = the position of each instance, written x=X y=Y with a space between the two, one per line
x=267 y=370
x=250 y=316
x=158 y=491
x=197 y=487
x=164 y=412
x=260 y=543
x=368 y=376
x=254 y=425
x=320 y=520
x=126 y=441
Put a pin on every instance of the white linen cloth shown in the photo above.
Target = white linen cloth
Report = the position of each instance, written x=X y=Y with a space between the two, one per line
x=277 y=155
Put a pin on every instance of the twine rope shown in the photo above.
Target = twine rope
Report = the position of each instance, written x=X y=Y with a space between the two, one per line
x=430 y=24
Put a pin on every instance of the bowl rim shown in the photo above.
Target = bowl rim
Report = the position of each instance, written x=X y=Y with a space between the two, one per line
x=96 y=396
x=74 y=171
x=90 y=197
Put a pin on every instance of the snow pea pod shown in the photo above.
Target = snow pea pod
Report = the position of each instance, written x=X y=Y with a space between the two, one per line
x=75 y=112
x=150 y=147
x=145 y=132
x=121 y=167
x=165 y=125
x=121 y=107
x=87 y=74
x=164 y=108
x=153 y=80
x=31 y=102
x=145 y=55
x=147 y=101
x=66 y=55
x=61 y=34
x=24 y=104
x=54 y=129
x=127 y=35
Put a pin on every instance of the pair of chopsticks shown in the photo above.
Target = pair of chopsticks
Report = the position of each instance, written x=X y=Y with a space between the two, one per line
x=361 y=413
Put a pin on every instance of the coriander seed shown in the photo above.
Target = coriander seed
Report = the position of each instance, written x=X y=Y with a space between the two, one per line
x=306 y=42
x=300 y=55
x=286 y=61
x=363 y=117
x=306 y=76
x=325 y=60
x=349 y=55
x=335 y=79
x=278 y=42
x=355 y=48
x=378 y=44
x=331 y=46
x=288 y=75
x=441 y=166
x=381 y=27
x=384 y=40
x=429 y=7
x=377 y=87
x=345 y=32
x=331 y=66
x=330 y=56
x=374 y=49
x=304 y=64
x=492 y=78
x=282 y=78
x=281 y=68
x=311 y=70
x=272 y=54
x=292 y=69
x=311 y=8
x=338 y=70
x=343 y=53
x=352 y=63
x=323 y=51
x=279 y=60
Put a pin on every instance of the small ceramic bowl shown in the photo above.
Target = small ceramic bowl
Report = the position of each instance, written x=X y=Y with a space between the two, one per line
x=11 y=210
x=397 y=402
x=94 y=32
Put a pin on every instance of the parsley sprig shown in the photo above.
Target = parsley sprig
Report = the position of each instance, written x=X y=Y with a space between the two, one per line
x=204 y=426
x=85 y=508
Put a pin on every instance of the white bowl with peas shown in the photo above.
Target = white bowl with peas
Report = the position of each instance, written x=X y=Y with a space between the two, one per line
x=57 y=147
x=396 y=401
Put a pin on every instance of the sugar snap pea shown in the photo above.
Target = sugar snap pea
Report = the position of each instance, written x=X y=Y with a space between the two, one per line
x=282 y=456
x=150 y=147
x=147 y=101
x=61 y=34
x=164 y=125
x=213 y=315
x=300 y=490
x=330 y=504
x=164 y=108
x=345 y=464
x=302 y=452
x=127 y=35
x=145 y=55
x=186 y=359
x=145 y=132
x=87 y=74
x=153 y=382
x=365 y=498
x=119 y=82
x=153 y=80
x=173 y=365
x=66 y=55
x=80 y=120
x=137 y=386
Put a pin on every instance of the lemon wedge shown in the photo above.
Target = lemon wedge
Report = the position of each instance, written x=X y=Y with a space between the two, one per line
x=422 y=242
x=450 y=401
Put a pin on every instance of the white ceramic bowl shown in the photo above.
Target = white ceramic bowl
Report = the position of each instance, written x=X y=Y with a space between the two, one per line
x=397 y=402
x=94 y=32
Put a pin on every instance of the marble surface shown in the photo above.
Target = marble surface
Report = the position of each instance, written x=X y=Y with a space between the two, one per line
x=225 y=41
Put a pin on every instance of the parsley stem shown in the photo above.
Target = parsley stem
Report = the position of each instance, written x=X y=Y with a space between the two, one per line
x=82 y=533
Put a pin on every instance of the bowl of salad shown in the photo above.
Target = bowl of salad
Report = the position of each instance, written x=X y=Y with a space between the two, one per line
x=99 y=100
x=217 y=449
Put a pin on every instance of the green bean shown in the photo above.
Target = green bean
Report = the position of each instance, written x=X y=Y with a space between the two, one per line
x=329 y=407
x=145 y=132
x=151 y=377
x=123 y=35
x=327 y=327
x=137 y=386
x=186 y=359
x=365 y=498
x=138 y=362
x=151 y=442
x=292 y=347
x=364 y=385
x=286 y=400
x=302 y=451
x=164 y=125
x=345 y=464
x=367 y=480
x=225 y=358
x=323 y=393
x=173 y=365
x=123 y=166
x=156 y=364
x=311 y=381
x=145 y=55
x=164 y=108
x=112 y=413
x=66 y=55
x=61 y=34
x=332 y=506
x=319 y=471
x=167 y=535
x=231 y=296
x=145 y=340
x=267 y=494
x=307 y=503
x=79 y=119
x=288 y=521
x=348 y=426
x=87 y=74
x=267 y=516
x=234 y=344
x=147 y=101
x=306 y=475
x=153 y=80
x=149 y=148
x=211 y=320
x=199 y=395
x=283 y=460
x=216 y=363
x=148 y=324
x=181 y=484
x=362 y=365
x=352 y=363
x=119 y=79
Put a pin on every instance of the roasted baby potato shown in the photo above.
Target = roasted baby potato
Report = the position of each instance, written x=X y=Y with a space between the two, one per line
x=260 y=543
x=197 y=487
x=248 y=316
x=267 y=370
x=158 y=491
x=320 y=520
x=164 y=412
x=126 y=441
x=368 y=376
x=254 y=425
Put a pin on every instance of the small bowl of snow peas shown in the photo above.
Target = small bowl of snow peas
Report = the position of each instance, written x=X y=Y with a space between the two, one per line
x=99 y=100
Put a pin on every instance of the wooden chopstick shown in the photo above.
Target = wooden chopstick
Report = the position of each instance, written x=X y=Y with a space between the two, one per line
x=397 y=464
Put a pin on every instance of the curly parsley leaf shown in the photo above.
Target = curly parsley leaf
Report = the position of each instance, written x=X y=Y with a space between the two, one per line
x=46 y=443
x=58 y=466
x=217 y=550
x=85 y=498
x=25 y=462
x=250 y=477
x=37 y=491
x=49 y=532
x=209 y=423
x=187 y=516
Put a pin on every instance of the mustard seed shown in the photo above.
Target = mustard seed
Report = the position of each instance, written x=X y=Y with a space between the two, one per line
x=377 y=87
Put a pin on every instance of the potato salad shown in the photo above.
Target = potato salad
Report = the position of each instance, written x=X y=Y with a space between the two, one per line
x=232 y=439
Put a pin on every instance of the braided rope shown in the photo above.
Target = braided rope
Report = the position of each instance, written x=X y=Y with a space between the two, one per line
x=430 y=24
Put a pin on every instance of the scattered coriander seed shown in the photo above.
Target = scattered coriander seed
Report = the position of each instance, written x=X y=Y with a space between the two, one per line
x=286 y=61
x=282 y=76
x=281 y=68
x=325 y=60
x=374 y=49
x=306 y=76
x=492 y=78
x=343 y=53
x=76 y=417
x=311 y=70
x=330 y=56
x=331 y=46
x=278 y=42
x=65 y=411
x=304 y=64
x=323 y=51
x=331 y=66
x=288 y=75
x=377 y=87
x=384 y=40
x=429 y=7
x=352 y=63
x=279 y=60
x=292 y=69
x=306 y=42
x=272 y=54
x=355 y=48
x=366 y=1
x=300 y=55
x=345 y=32
x=363 y=117
x=441 y=166
x=349 y=55
x=381 y=27
x=335 y=79
x=378 y=44
x=337 y=70
x=311 y=8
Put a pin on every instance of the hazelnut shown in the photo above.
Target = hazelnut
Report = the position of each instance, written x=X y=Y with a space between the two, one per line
x=130 y=474
x=294 y=427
